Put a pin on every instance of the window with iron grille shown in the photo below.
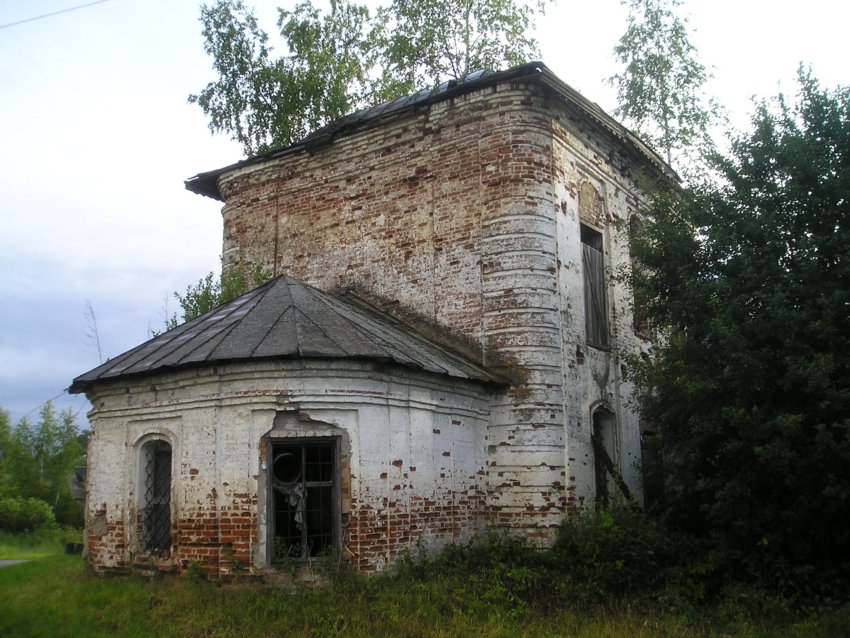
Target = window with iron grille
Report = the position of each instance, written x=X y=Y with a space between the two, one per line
x=156 y=497
x=595 y=295
x=304 y=498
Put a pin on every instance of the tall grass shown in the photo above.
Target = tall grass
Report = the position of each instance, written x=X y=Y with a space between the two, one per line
x=495 y=588
x=39 y=544
x=56 y=596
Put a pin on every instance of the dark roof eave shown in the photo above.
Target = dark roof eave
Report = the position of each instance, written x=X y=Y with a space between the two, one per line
x=287 y=319
x=82 y=384
x=206 y=183
x=609 y=123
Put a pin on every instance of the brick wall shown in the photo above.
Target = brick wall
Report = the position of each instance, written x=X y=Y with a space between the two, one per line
x=446 y=218
x=463 y=219
x=411 y=464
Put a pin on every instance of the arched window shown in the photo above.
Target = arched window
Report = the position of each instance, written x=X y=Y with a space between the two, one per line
x=603 y=453
x=155 y=497
x=595 y=293
x=591 y=211
x=608 y=477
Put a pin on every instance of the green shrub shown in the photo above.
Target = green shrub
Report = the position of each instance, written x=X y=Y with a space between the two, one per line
x=619 y=551
x=25 y=515
x=42 y=542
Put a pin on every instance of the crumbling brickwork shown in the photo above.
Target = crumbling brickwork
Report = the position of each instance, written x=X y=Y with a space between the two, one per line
x=463 y=219
x=480 y=219
x=411 y=466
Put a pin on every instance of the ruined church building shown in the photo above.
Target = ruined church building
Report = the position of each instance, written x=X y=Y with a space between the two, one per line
x=439 y=354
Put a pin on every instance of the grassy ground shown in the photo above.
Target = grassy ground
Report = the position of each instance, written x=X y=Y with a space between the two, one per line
x=36 y=545
x=55 y=595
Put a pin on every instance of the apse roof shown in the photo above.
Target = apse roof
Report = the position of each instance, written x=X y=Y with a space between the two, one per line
x=286 y=319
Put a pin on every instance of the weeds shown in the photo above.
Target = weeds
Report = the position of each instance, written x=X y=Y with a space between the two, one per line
x=38 y=544
x=611 y=575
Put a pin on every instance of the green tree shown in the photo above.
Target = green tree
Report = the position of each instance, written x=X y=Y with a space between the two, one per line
x=21 y=515
x=432 y=41
x=264 y=102
x=750 y=388
x=346 y=59
x=6 y=438
x=210 y=291
x=41 y=459
x=660 y=89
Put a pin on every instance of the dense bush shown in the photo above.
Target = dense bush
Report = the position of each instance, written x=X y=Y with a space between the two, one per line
x=494 y=567
x=598 y=557
x=749 y=280
x=25 y=515
x=612 y=551
x=620 y=552
x=38 y=459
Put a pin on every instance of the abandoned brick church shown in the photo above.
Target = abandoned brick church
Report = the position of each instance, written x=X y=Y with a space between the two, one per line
x=439 y=354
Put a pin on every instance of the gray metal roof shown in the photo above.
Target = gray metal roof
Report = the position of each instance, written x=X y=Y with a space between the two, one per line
x=207 y=183
x=286 y=319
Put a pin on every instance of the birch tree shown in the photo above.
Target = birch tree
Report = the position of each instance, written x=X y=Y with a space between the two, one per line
x=347 y=58
x=660 y=89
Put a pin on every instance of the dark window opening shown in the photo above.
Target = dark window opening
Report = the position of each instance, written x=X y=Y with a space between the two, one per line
x=640 y=320
x=156 y=497
x=652 y=464
x=608 y=477
x=595 y=296
x=303 y=479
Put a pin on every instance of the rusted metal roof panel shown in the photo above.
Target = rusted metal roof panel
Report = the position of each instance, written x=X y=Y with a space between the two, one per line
x=286 y=319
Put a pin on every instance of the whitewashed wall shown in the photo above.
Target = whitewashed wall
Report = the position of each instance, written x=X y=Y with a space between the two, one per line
x=412 y=458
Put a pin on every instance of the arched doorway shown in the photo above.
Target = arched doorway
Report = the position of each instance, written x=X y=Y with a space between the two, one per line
x=608 y=479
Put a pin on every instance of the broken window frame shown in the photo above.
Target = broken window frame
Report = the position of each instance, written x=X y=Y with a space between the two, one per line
x=596 y=324
x=606 y=469
x=295 y=491
x=155 y=487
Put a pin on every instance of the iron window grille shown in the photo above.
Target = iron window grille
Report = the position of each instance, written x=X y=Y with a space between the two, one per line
x=303 y=479
x=156 y=494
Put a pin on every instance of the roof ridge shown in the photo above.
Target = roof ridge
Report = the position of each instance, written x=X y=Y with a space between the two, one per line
x=215 y=337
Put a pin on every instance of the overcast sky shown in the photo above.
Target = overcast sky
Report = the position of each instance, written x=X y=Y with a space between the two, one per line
x=97 y=138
